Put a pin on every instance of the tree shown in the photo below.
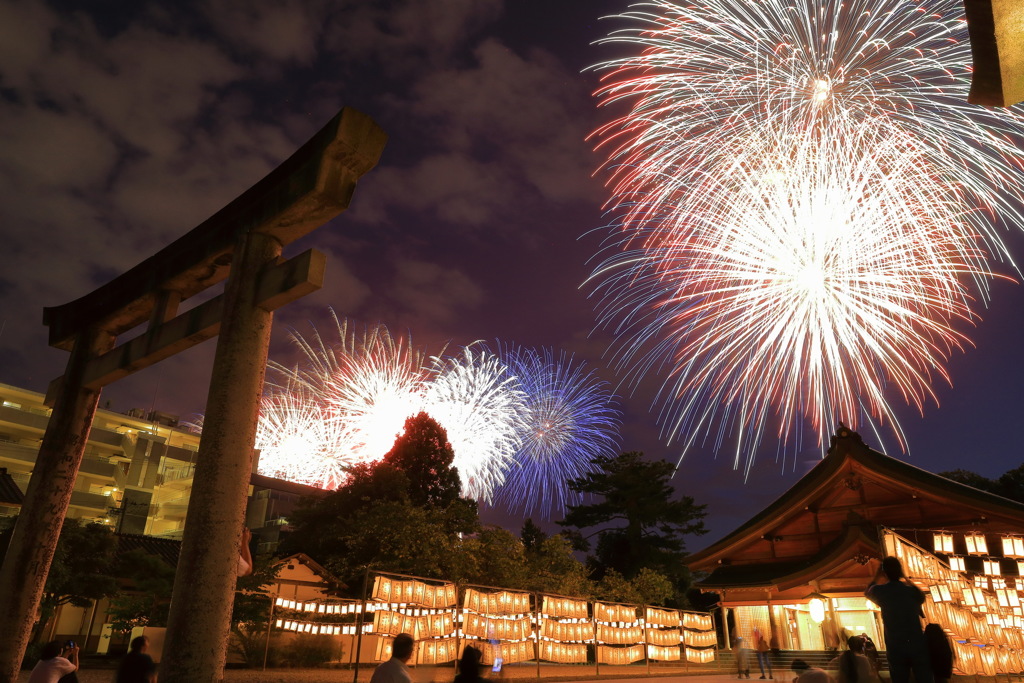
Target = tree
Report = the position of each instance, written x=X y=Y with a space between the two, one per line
x=1009 y=485
x=637 y=521
x=495 y=557
x=554 y=568
x=146 y=603
x=532 y=535
x=972 y=479
x=404 y=514
x=426 y=457
x=251 y=609
x=81 y=571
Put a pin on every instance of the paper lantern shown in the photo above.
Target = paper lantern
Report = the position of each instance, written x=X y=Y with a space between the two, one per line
x=976 y=544
x=943 y=542
x=817 y=609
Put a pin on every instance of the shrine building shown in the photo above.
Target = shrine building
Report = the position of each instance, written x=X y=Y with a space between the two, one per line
x=798 y=569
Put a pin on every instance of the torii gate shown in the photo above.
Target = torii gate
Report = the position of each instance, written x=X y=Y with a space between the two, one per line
x=243 y=243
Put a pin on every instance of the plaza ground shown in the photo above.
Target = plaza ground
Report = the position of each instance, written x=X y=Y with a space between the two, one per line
x=438 y=675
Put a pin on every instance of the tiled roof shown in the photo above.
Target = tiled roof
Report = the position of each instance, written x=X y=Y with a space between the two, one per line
x=264 y=482
x=10 y=494
x=167 y=549
x=850 y=447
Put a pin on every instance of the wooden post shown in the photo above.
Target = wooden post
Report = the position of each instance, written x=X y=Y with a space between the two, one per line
x=199 y=622
x=458 y=628
x=360 y=620
x=34 y=541
x=647 y=652
x=538 y=604
x=270 y=625
x=597 y=656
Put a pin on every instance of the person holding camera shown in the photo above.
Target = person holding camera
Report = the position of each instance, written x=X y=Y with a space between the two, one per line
x=56 y=662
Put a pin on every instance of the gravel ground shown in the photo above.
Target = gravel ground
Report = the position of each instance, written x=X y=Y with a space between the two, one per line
x=427 y=674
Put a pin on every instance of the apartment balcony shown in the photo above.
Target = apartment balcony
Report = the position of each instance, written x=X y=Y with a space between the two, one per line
x=100 y=467
x=92 y=501
x=33 y=419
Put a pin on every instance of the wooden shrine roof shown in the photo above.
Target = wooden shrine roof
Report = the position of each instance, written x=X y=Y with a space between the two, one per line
x=828 y=523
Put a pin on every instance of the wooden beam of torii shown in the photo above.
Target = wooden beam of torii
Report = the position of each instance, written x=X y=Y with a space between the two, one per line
x=242 y=243
x=996 y=28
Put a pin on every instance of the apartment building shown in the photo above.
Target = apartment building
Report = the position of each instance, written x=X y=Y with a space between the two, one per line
x=136 y=474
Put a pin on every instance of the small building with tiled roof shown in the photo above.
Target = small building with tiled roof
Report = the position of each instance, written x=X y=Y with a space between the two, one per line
x=819 y=544
x=11 y=496
x=167 y=549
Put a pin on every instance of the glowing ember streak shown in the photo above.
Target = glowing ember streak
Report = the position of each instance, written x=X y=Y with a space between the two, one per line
x=805 y=204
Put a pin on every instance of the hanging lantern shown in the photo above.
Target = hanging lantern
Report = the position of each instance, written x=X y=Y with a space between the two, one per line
x=817 y=609
x=943 y=542
x=956 y=563
x=1013 y=546
x=976 y=544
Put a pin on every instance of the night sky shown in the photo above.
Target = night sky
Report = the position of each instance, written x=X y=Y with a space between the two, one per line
x=125 y=125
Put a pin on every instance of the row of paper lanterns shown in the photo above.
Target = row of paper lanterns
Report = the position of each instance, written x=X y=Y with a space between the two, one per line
x=976 y=544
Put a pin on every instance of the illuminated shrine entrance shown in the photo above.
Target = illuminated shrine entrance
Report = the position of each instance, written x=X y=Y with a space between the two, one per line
x=797 y=571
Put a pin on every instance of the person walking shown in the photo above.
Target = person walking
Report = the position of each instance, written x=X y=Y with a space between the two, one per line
x=137 y=666
x=395 y=670
x=900 y=602
x=742 y=659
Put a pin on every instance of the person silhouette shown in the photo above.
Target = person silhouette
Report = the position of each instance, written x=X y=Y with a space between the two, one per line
x=900 y=602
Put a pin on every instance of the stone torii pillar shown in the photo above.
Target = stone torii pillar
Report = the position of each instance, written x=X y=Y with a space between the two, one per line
x=243 y=243
x=996 y=28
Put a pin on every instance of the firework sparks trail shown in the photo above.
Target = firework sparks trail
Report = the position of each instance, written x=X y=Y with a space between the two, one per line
x=521 y=422
x=805 y=207
x=300 y=440
x=570 y=419
x=481 y=406
x=374 y=381
x=365 y=386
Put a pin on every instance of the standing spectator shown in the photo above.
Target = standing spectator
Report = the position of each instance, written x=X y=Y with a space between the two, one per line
x=395 y=670
x=469 y=666
x=940 y=653
x=763 y=661
x=901 y=602
x=137 y=666
x=54 y=663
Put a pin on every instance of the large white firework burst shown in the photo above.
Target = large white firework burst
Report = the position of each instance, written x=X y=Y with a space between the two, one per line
x=805 y=206
x=482 y=407
x=301 y=440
